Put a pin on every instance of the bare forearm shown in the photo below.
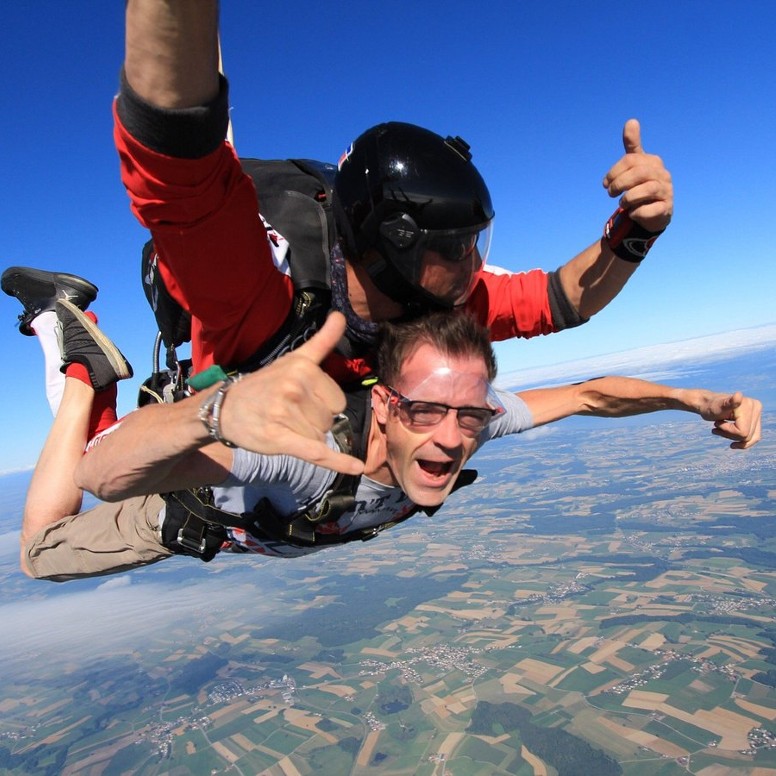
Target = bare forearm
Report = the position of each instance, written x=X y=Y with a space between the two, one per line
x=594 y=277
x=155 y=449
x=284 y=408
x=172 y=51
x=735 y=417
x=612 y=397
x=617 y=397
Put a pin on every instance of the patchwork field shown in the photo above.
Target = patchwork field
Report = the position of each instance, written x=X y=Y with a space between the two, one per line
x=616 y=618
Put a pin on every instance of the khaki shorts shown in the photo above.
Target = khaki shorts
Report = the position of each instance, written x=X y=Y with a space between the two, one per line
x=105 y=540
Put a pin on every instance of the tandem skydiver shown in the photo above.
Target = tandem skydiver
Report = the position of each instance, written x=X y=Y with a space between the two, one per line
x=432 y=408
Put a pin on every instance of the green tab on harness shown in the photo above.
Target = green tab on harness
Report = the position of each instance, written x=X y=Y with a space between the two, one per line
x=210 y=376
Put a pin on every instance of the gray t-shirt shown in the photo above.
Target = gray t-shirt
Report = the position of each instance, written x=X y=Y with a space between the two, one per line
x=291 y=485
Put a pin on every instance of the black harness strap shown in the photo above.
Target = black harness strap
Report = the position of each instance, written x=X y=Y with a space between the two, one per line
x=194 y=527
x=186 y=533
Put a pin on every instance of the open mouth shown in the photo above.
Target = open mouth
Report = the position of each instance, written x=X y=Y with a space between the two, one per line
x=436 y=468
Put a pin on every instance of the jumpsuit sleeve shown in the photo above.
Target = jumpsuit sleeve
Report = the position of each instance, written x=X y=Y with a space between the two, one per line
x=522 y=304
x=186 y=186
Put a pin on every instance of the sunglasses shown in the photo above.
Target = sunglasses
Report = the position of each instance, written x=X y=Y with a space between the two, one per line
x=423 y=414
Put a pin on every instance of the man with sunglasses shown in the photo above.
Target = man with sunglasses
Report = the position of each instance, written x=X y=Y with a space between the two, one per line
x=434 y=407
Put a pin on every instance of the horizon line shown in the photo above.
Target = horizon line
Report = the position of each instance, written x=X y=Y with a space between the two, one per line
x=700 y=348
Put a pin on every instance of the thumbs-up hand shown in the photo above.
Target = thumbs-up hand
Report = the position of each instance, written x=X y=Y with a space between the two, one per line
x=642 y=182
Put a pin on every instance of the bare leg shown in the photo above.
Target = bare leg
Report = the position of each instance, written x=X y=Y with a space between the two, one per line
x=93 y=362
x=53 y=494
x=52 y=302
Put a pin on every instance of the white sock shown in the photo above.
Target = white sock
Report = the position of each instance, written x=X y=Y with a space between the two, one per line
x=45 y=328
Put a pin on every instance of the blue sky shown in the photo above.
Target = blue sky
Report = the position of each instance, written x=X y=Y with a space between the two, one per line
x=539 y=90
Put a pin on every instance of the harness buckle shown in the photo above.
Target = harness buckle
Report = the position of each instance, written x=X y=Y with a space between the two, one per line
x=193 y=539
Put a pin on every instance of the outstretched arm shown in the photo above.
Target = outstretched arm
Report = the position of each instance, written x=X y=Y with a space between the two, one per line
x=595 y=276
x=284 y=408
x=171 y=58
x=735 y=416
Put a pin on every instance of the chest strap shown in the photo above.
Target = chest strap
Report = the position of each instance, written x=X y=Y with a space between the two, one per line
x=194 y=526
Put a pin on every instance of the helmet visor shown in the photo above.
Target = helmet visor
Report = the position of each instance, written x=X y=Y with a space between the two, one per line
x=449 y=261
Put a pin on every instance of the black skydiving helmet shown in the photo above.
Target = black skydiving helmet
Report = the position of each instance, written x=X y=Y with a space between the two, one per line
x=419 y=202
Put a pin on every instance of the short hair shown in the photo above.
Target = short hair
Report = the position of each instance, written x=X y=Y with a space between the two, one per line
x=454 y=334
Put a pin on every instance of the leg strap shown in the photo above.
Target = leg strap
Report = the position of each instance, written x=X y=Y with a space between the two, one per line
x=186 y=534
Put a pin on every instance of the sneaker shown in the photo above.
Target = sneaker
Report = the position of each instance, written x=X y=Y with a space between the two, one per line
x=38 y=291
x=83 y=343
